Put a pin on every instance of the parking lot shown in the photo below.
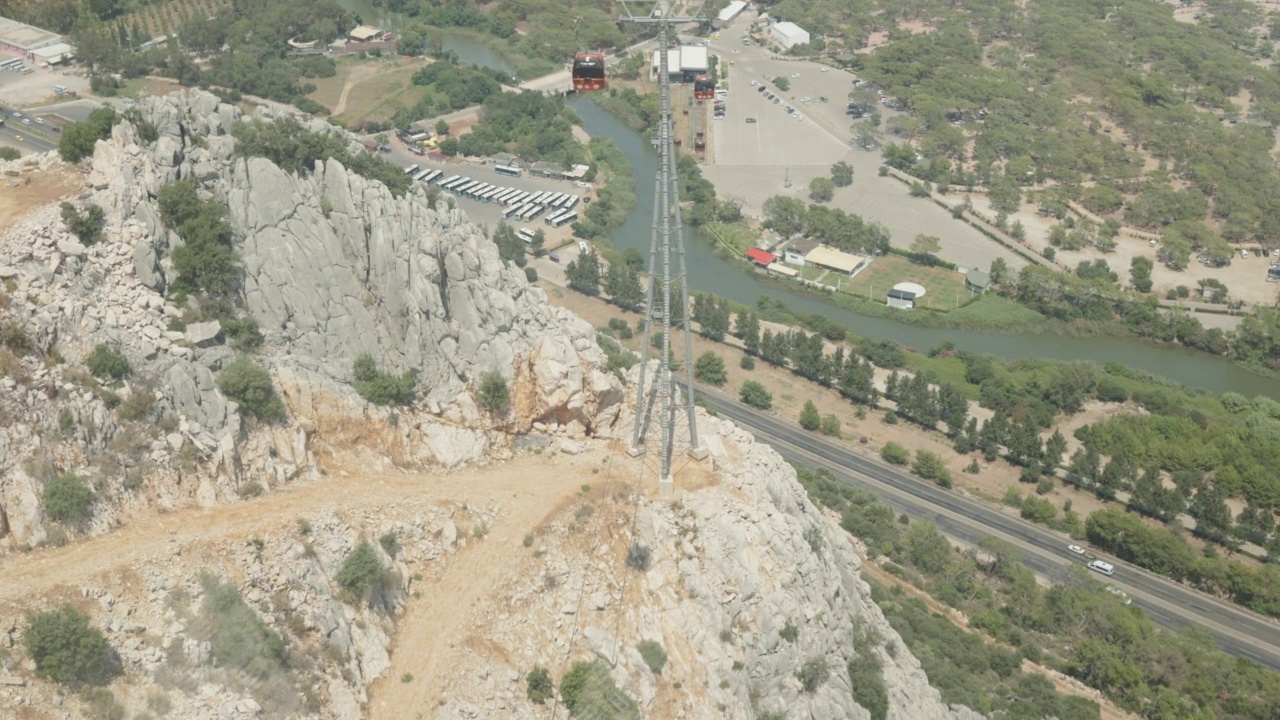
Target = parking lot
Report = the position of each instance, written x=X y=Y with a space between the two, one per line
x=36 y=88
x=490 y=214
x=779 y=155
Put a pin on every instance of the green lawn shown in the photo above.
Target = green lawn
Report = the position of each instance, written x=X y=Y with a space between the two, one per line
x=943 y=287
x=812 y=273
x=737 y=237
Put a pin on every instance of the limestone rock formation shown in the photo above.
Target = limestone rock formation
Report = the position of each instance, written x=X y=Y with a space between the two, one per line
x=735 y=559
x=334 y=266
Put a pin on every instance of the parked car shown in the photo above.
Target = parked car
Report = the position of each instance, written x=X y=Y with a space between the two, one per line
x=751 y=120
x=1076 y=550
x=555 y=257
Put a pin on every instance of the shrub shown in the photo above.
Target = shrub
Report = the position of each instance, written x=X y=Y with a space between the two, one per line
x=390 y=544
x=250 y=490
x=107 y=362
x=531 y=274
x=66 y=649
x=894 y=453
x=589 y=692
x=88 y=227
x=540 y=688
x=813 y=673
x=101 y=704
x=747 y=363
x=654 y=656
x=789 y=632
x=66 y=420
x=929 y=466
x=709 y=368
x=250 y=386
x=638 y=557
x=67 y=499
x=8 y=153
x=809 y=417
x=830 y=426
x=239 y=640
x=15 y=337
x=361 y=571
x=382 y=388
x=755 y=395
x=78 y=139
x=242 y=333
x=495 y=396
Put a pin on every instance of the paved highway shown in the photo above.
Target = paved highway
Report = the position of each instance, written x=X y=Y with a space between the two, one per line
x=1169 y=604
x=30 y=143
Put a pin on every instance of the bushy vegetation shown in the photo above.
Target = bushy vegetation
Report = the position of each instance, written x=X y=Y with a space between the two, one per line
x=285 y=142
x=528 y=124
x=239 y=639
x=614 y=199
x=107 y=362
x=361 y=571
x=67 y=499
x=450 y=87
x=206 y=260
x=654 y=656
x=77 y=139
x=495 y=396
x=709 y=368
x=831 y=226
x=756 y=395
x=67 y=649
x=87 y=227
x=1119 y=650
x=894 y=453
x=540 y=688
x=251 y=387
x=380 y=387
x=589 y=692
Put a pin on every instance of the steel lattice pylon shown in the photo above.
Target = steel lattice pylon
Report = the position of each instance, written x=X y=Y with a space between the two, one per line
x=663 y=394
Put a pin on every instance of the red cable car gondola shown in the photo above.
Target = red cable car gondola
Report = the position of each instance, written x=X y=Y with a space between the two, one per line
x=588 y=72
x=704 y=87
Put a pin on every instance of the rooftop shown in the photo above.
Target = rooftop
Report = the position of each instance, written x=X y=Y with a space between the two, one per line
x=25 y=37
x=834 y=259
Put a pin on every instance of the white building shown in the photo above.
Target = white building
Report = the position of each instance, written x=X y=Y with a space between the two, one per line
x=788 y=34
x=693 y=61
x=673 y=62
x=727 y=15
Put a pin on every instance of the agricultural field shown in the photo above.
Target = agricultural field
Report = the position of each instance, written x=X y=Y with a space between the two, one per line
x=164 y=17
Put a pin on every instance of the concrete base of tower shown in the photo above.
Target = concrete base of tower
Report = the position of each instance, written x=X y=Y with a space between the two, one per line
x=699 y=453
x=666 y=486
x=635 y=450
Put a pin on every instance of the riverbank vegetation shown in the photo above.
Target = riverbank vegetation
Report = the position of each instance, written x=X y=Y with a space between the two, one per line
x=1074 y=626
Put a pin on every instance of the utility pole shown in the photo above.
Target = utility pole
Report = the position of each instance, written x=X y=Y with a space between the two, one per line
x=663 y=393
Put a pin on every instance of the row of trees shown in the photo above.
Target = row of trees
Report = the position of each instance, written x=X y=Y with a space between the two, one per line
x=831 y=226
x=1073 y=626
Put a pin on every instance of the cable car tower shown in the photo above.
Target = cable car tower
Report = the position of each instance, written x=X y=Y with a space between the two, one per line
x=668 y=270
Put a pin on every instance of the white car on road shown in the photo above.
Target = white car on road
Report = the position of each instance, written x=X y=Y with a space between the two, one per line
x=1076 y=549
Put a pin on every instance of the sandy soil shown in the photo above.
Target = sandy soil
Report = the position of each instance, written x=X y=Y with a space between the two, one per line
x=19 y=195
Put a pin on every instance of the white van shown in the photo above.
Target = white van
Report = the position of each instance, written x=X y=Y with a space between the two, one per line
x=1105 y=568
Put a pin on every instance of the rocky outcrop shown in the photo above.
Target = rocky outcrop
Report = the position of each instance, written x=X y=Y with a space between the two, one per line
x=334 y=266
x=739 y=556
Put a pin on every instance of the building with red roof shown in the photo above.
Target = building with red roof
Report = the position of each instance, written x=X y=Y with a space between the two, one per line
x=760 y=257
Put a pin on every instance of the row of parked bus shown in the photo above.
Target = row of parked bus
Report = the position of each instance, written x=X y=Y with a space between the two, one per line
x=559 y=208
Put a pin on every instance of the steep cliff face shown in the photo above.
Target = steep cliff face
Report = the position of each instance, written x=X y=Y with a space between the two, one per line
x=334 y=266
x=749 y=584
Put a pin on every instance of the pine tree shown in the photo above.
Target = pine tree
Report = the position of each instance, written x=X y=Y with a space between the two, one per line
x=810 y=419
x=891 y=386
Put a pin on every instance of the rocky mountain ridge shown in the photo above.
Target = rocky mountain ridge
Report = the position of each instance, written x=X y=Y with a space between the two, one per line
x=334 y=266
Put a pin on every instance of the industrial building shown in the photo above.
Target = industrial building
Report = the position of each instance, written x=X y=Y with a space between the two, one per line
x=836 y=260
x=788 y=34
x=33 y=44
x=727 y=15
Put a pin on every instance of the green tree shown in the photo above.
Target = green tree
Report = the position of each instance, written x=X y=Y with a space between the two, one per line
x=495 y=396
x=442 y=127
x=589 y=692
x=1140 y=273
x=894 y=453
x=842 y=174
x=67 y=649
x=67 y=499
x=583 y=274
x=785 y=215
x=251 y=387
x=782 y=83
x=821 y=189
x=755 y=395
x=107 y=362
x=810 y=419
x=926 y=244
x=78 y=139
x=709 y=368
x=830 y=425
x=361 y=571
x=9 y=153
x=623 y=286
x=929 y=466
x=633 y=259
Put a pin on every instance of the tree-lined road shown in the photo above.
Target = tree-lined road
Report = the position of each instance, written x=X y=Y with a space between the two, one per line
x=1169 y=604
